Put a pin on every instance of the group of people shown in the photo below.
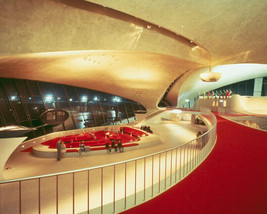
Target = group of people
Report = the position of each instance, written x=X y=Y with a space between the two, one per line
x=146 y=128
x=116 y=146
x=61 y=149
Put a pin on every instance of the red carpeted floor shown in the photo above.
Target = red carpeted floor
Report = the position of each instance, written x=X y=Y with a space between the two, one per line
x=232 y=180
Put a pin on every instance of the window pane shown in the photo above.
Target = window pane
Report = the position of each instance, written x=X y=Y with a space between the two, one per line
x=22 y=102
x=48 y=96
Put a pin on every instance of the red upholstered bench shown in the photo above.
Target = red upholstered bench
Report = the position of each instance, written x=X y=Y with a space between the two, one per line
x=130 y=144
x=27 y=150
x=72 y=150
x=133 y=131
x=52 y=144
x=68 y=138
x=98 y=144
x=73 y=145
x=100 y=135
x=97 y=148
x=103 y=147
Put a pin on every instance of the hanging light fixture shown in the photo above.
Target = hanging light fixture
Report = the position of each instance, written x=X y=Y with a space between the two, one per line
x=210 y=76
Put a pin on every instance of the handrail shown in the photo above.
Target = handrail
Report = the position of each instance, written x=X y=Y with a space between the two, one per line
x=105 y=165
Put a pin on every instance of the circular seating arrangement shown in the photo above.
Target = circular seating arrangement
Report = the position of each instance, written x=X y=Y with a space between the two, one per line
x=95 y=141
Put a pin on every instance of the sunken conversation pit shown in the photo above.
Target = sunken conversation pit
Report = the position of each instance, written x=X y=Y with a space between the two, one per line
x=95 y=142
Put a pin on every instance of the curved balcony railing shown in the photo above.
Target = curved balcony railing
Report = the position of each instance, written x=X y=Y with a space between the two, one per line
x=109 y=188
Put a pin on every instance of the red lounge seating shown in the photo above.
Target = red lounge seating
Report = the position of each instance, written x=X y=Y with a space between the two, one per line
x=72 y=150
x=134 y=132
x=98 y=144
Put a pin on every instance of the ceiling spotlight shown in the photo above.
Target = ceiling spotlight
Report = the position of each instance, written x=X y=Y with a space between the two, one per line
x=210 y=76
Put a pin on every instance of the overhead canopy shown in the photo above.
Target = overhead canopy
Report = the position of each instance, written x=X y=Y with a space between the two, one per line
x=134 y=50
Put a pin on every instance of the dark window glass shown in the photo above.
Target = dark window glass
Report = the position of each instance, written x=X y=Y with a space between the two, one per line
x=7 y=113
x=244 y=88
x=48 y=95
x=264 y=87
x=14 y=99
x=59 y=90
x=241 y=88
x=73 y=99
x=33 y=88
x=23 y=101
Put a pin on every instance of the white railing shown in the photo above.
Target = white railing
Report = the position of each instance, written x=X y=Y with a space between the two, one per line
x=109 y=188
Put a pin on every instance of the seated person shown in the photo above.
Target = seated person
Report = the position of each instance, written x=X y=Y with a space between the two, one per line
x=112 y=143
x=149 y=130
x=143 y=127
x=87 y=148
x=107 y=147
x=82 y=148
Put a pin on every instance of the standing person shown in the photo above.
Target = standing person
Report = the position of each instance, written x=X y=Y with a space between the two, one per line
x=62 y=149
x=120 y=146
x=59 y=150
x=113 y=143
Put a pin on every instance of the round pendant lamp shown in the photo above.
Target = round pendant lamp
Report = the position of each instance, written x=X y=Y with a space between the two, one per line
x=210 y=76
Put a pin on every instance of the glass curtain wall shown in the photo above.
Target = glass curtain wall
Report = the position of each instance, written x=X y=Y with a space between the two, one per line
x=264 y=87
x=244 y=88
x=23 y=101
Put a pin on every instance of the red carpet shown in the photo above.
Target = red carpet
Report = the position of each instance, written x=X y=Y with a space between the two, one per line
x=232 y=180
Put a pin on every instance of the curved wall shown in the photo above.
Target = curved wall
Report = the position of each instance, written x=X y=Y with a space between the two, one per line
x=249 y=105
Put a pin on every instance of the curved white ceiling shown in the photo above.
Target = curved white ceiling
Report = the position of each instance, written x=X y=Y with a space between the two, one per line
x=227 y=29
x=139 y=76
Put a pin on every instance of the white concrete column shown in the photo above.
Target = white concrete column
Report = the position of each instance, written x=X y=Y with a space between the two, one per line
x=257 y=87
